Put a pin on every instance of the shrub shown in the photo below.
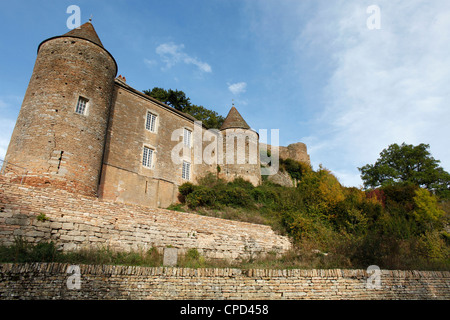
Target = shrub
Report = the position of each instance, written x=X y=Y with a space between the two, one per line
x=241 y=183
x=200 y=197
x=42 y=217
x=210 y=180
x=294 y=168
x=235 y=196
x=184 y=190
x=22 y=251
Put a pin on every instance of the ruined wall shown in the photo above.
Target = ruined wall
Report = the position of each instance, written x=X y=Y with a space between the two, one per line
x=296 y=151
x=77 y=221
x=49 y=281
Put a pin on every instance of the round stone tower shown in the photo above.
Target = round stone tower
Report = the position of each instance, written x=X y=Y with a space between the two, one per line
x=59 y=135
x=240 y=150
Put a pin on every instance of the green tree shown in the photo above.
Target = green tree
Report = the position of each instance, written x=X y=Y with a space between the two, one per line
x=179 y=101
x=174 y=98
x=406 y=164
x=210 y=118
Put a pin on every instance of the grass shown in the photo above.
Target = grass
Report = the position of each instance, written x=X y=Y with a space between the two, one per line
x=304 y=256
x=24 y=252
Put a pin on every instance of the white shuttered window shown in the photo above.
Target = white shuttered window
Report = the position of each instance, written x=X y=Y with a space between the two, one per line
x=186 y=173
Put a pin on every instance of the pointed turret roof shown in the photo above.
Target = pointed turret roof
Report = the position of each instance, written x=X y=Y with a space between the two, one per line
x=85 y=31
x=234 y=120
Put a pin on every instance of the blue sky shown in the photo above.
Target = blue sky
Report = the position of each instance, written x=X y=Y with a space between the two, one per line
x=310 y=68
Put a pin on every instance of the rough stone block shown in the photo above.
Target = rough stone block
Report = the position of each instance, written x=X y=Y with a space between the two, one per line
x=170 y=257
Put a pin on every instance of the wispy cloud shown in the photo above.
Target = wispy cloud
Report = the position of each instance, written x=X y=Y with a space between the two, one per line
x=7 y=126
x=388 y=85
x=171 y=54
x=237 y=88
x=150 y=63
x=377 y=87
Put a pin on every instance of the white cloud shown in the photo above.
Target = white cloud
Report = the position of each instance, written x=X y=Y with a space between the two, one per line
x=150 y=63
x=172 y=54
x=7 y=126
x=237 y=88
x=388 y=85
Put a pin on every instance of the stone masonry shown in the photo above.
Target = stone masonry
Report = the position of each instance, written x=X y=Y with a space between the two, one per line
x=76 y=221
x=49 y=281
x=82 y=129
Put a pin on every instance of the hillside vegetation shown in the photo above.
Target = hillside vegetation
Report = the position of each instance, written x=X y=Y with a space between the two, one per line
x=397 y=226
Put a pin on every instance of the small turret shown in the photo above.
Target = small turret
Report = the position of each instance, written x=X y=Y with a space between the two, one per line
x=240 y=149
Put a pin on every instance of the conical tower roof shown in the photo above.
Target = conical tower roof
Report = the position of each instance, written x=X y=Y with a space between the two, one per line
x=85 y=31
x=234 y=120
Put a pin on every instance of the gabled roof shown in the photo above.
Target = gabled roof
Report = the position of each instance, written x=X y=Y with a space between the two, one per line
x=85 y=31
x=234 y=120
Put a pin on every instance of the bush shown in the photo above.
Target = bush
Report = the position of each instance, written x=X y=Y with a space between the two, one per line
x=184 y=190
x=200 y=197
x=294 y=168
x=22 y=251
x=235 y=196
x=241 y=183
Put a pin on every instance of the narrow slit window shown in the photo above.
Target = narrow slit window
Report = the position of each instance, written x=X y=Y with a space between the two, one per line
x=150 y=124
x=81 y=105
x=147 y=159
x=186 y=173
x=187 y=137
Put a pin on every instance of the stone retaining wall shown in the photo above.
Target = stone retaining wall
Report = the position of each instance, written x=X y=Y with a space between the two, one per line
x=76 y=221
x=50 y=281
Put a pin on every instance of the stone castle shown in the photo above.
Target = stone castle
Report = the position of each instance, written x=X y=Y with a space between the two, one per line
x=83 y=129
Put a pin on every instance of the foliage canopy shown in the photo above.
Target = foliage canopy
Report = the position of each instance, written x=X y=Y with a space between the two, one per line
x=406 y=164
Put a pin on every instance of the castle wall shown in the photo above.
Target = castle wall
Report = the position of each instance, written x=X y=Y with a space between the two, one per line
x=52 y=144
x=76 y=221
x=295 y=151
x=240 y=155
x=124 y=177
x=49 y=281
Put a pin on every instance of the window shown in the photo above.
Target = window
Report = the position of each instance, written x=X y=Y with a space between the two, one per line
x=186 y=170
x=150 y=124
x=147 y=159
x=187 y=137
x=81 y=105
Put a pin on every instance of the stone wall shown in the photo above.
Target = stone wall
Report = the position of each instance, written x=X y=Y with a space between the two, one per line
x=50 y=281
x=51 y=142
x=124 y=178
x=77 y=221
x=296 y=151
